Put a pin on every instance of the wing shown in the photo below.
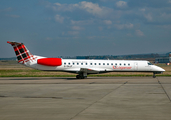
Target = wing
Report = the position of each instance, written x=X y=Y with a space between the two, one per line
x=92 y=70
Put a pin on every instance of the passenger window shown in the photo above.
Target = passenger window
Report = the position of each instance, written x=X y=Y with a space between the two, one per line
x=94 y=63
x=111 y=63
x=99 y=63
x=120 y=64
x=115 y=63
x=81 y=63
x=64 y=63
x=73 y=63
x=103 y=63
x=86 y=63
x=77 y=63
x=124 y=64
x=128 y=64
x=68 y=63
x=107 y=63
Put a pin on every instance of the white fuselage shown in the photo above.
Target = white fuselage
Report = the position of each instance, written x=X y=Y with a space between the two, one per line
x=100 y=66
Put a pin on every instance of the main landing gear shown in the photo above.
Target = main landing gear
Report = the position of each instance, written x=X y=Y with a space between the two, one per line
x=81 y=76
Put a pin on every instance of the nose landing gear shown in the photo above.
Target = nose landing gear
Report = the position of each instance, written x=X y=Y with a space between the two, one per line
x=154 y=75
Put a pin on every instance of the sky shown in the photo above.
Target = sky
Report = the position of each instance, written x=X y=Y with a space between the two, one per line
x=54 y=28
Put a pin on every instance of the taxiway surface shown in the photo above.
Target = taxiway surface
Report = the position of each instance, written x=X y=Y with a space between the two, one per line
x=104 y=98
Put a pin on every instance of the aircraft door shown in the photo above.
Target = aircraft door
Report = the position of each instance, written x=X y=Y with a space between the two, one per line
x=136 y=66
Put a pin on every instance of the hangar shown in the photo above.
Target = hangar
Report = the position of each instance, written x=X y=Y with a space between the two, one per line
x=164 y=59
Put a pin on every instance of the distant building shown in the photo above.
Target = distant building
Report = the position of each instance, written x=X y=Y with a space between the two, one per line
x=163 y=59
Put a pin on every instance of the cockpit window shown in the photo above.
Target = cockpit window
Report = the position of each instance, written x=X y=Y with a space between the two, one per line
x=150 y=63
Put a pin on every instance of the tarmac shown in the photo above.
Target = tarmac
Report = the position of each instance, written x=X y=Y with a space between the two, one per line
x=96 y=98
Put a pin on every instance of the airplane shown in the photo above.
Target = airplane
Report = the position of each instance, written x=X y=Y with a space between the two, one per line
x=82 y=67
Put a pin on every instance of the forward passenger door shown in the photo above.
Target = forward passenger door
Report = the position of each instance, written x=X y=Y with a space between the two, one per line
x=136 y=66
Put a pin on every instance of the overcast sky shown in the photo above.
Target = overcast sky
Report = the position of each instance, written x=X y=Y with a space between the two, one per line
x=54 y=28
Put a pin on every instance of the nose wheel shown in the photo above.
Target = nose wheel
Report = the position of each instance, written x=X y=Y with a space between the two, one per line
x=154 y=75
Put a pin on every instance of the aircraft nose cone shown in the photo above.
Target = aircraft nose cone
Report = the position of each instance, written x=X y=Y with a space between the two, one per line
x=159 y=69
x=162 y=69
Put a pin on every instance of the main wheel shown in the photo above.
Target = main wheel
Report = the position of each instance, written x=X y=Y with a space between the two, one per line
x=78 y=77
x=82 y=77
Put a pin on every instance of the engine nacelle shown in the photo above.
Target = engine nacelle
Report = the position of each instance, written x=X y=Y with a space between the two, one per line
x=50 y=61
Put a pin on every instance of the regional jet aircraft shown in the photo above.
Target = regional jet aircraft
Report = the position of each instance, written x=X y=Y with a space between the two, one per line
x=80 y=66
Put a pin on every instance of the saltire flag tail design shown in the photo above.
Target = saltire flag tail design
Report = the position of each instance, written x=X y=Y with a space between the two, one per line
x=22 y=53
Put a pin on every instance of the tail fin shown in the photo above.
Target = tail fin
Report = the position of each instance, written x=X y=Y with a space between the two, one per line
x=22 y=53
